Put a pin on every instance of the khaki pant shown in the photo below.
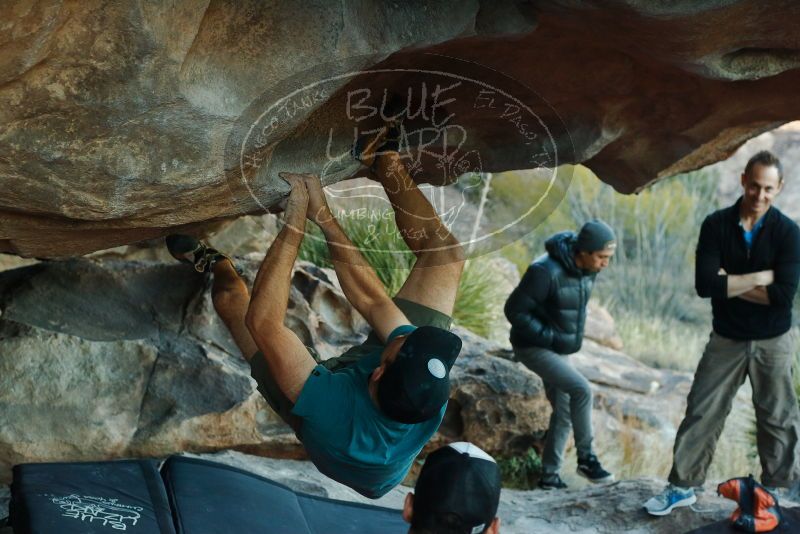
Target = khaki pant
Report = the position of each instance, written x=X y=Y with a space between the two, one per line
x=722 y=370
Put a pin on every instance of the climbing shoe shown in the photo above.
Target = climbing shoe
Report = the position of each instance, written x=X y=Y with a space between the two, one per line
x=189 y=249
x=590 y=469
x=551 y=482
x=368 y=148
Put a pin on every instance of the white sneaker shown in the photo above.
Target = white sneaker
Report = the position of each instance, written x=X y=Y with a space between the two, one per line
x=672 y=497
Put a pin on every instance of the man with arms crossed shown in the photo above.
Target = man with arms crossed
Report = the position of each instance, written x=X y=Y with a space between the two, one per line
x=362 y=417
x=748 y=263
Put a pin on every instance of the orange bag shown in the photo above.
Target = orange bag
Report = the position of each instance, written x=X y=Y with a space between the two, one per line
x=758 y=509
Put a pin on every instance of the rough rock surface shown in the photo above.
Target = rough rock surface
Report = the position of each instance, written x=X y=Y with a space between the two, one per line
x=103 y=359
x=600 y=327
x=121 y=121
x=596 y=510
x=130 y=355
x=605 y=510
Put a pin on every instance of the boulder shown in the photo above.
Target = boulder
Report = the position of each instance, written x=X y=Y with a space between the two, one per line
x=57 y=405
x=96 y=352
x=108 y=358
x=494 y=402
x=124 y=122
x=600 y=326
x=607 y=509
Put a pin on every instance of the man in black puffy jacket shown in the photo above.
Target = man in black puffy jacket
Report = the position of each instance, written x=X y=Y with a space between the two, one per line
x=547 y=312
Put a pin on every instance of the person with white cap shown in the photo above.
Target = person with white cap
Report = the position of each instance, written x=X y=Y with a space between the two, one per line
x=457 y=492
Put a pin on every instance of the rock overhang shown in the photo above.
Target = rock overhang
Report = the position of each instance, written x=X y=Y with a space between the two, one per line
x=116 y=122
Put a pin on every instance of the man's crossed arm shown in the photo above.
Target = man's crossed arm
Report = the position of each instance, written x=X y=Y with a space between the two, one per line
x=712 y=281
x=751 y=287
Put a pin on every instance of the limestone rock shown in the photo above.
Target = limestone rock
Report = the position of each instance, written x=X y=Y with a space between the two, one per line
x=124 y=122
x=494 y=402
x=103 y=359
x=55 y=404
x=600 y=327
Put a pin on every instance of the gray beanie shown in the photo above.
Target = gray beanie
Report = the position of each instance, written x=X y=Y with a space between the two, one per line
x=596 y=235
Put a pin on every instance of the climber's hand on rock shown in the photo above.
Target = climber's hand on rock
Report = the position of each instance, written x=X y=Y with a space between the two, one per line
x=297 y=203
x=318 y=210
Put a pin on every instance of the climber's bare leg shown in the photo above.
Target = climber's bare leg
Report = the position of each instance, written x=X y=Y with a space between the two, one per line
x=231 y=299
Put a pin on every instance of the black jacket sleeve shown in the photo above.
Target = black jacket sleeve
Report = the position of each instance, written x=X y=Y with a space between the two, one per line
x=708 y=259
x=787 y=269
x=523 y=302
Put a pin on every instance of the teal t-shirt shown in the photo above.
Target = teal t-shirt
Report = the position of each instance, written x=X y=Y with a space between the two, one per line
x=346 y=435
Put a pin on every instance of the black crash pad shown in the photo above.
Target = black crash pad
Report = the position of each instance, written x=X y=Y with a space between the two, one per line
x=211 y=497
x=89 y=498
x=189 y=496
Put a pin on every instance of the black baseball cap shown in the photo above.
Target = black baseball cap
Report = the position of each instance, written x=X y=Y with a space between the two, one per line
x=416 y=385
x=459 y=486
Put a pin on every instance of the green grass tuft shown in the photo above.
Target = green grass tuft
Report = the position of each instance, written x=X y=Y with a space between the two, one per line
x=521 y=472
x=479 y=302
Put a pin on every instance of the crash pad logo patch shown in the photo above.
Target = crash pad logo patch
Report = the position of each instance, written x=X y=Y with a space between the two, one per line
x=100 y=512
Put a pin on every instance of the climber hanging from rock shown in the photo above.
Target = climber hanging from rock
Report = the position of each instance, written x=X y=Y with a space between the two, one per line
x=364 y=416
